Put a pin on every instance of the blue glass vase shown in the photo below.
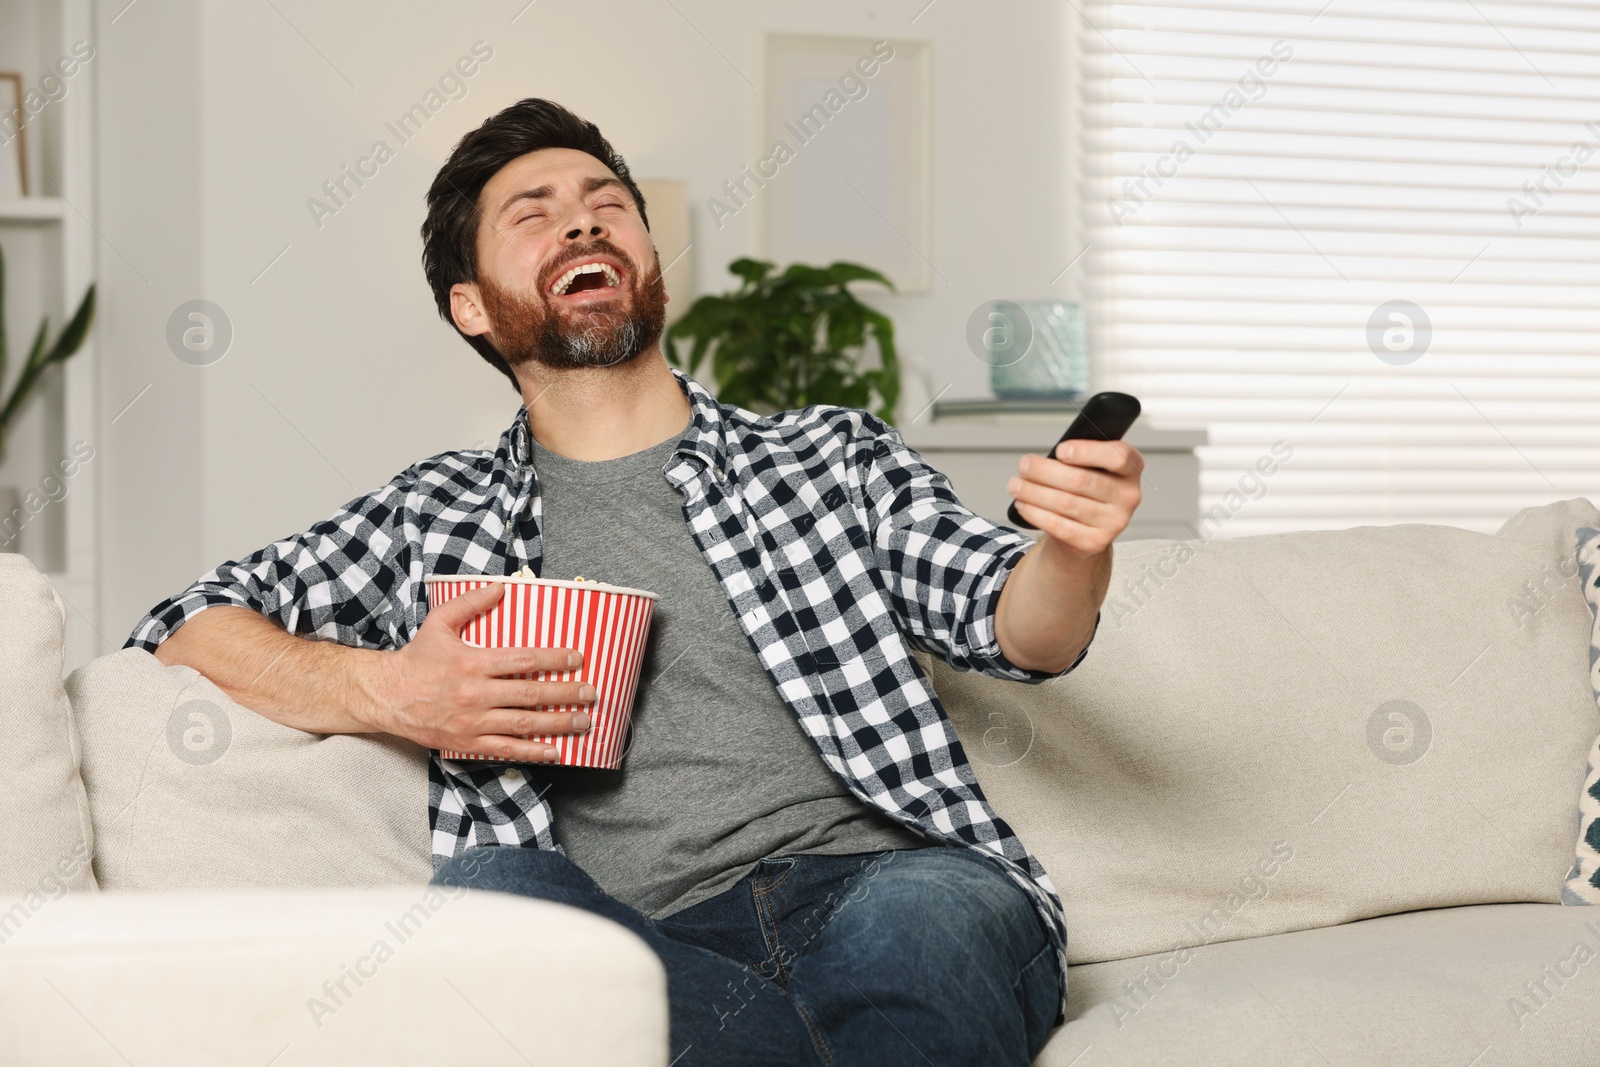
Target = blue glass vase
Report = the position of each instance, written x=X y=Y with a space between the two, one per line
x=1045 y=354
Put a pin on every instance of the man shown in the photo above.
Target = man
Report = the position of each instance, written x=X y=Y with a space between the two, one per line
x=795 y=830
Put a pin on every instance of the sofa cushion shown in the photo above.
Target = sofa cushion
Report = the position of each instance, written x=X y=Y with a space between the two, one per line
x=390 y=976
x=47 y=839
x=1290 y=731
x=190 y=790
x=1583 y=881
x=1494 y=984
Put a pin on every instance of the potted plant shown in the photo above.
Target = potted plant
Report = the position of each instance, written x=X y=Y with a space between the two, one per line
x=40 y=359
x=787 y=340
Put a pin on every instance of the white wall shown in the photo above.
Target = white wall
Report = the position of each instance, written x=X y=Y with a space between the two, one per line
x=340 y=373
x=148 y=161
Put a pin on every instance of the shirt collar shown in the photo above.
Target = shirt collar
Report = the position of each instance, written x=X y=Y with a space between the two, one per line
x=705 y=437
x=707 y=433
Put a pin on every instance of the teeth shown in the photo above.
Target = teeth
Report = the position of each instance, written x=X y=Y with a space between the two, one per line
x=612 y=277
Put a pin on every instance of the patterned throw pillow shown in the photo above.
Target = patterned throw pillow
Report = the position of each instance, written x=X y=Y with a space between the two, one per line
x=1583 y=881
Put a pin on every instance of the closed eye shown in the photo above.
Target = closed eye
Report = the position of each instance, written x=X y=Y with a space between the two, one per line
x=540 y=214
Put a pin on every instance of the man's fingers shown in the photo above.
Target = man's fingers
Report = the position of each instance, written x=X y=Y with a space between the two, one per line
x=510 y=749
x=1079 y=535
x=1114 y=457
x=455 y=613
x=503 y=661
x=1069 y=504
x=520 y=722
x=1093 y=484
x=515 y=693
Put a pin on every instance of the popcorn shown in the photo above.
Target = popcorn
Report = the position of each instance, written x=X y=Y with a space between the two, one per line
x=527 y=572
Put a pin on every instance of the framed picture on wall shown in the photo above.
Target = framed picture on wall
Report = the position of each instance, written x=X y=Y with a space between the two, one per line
x=842 y=170
x=13 y=153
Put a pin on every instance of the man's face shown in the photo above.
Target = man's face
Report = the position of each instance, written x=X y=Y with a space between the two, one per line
x=567 y=273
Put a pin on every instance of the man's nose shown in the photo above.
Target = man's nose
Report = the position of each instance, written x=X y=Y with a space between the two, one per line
x=585 y=221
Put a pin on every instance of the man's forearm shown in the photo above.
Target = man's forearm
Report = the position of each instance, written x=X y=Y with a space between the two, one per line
x=317 y=686
x=1081 y=498
x=1048 y=606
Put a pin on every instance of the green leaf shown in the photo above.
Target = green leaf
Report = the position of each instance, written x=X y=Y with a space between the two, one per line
x=77 y=330
x=841 y=272
x=31 y=368
x=40 y=358
x=789 y=338
x=751 y=270
x=4 y=353
x=800 y=276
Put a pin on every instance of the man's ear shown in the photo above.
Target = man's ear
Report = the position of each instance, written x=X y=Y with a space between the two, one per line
x=466 y=308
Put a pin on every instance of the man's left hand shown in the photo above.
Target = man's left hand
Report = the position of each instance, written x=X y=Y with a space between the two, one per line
x=1082 y=499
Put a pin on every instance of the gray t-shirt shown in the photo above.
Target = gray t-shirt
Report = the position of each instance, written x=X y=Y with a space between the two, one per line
x=717 y=775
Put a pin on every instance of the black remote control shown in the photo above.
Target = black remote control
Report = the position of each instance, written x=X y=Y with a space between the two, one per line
x=1106 y=417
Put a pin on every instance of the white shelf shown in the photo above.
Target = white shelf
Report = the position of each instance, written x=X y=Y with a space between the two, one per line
x=33 y=209
x=51 y=259
x=1034 y=433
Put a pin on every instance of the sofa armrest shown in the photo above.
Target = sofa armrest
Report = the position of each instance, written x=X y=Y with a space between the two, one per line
x=421 y=975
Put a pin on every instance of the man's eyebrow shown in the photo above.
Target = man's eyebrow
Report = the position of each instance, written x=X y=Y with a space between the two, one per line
x=544 y=192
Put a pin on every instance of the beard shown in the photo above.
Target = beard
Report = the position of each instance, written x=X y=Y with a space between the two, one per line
x=535 y=328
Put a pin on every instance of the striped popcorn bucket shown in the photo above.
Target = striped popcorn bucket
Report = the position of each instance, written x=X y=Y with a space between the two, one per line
x=607 y=623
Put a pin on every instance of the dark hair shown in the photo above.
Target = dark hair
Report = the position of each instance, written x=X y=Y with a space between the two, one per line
x=450 y=232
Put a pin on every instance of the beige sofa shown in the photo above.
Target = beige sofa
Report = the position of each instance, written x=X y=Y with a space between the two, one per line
x=1310 y=800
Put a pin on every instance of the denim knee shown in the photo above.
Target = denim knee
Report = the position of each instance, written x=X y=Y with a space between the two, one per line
x=530 y=872
x=940 y=913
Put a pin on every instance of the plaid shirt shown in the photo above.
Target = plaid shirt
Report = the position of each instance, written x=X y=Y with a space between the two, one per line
x=839 y=550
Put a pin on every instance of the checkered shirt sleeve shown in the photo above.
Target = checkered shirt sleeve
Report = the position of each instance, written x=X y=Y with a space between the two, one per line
x=946 y=565
x=337 y=581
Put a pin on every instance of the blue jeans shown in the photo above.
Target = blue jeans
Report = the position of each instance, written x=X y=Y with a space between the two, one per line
x=920 y=956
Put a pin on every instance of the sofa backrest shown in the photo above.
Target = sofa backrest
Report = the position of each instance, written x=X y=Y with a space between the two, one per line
x=190 y=790
x=47 y=841
x=1281 y=732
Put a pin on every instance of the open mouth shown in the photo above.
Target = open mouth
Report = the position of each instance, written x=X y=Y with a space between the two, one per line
x=592 y=277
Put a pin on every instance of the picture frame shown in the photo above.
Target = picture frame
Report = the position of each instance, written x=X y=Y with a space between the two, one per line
x=843 y=170
x=13 y=133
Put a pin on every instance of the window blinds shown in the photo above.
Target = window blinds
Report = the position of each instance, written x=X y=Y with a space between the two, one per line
x=1365 y=233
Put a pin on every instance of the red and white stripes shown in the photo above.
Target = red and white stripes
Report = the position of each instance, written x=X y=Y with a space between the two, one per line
x=607 y=624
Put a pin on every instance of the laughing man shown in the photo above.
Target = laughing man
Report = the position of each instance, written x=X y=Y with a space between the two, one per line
x=796 y=831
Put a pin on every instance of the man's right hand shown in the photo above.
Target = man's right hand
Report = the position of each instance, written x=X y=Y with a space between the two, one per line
x=443 y=693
